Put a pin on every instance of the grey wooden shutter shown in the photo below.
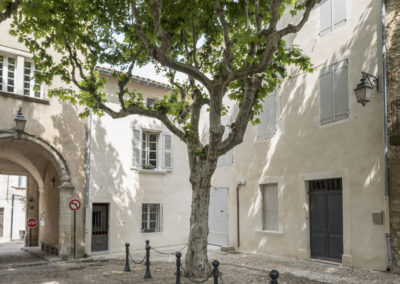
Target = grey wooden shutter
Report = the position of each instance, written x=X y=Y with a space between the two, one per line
x=136 y=147
x=270 y=207
x=167 y=150
x=325 y=8
x=226 y=159
x=340 y=91
x=326 y=95
x=271 y=114
x=339 y=12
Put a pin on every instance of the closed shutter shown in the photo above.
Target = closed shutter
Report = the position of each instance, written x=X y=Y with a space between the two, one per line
x=226 y=159
x=340 y=91
x=271 y=114
x=326 y=95
x=325 y=8
x=270 y=207
x=339 y=12
x=136 y=143
x=267 y=126
x=167 y=150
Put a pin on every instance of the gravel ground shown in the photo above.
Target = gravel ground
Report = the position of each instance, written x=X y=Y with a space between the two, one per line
x=236 y=267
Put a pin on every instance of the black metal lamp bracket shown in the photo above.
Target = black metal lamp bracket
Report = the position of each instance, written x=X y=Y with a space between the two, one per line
x=375 y=79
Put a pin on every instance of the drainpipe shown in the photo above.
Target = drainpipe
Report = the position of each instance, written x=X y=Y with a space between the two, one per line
x=238 y=184
x=87 y=187
x=12 y=216
x=385 y=129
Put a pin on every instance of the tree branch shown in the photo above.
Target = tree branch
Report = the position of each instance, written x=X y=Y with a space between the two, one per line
x=295 y=28
x=239 y=126
x=228 y=56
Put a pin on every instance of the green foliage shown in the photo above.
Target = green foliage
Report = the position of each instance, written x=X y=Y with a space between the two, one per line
x=70 y=38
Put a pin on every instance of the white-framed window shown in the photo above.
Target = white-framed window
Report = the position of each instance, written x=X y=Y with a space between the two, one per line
x=334 y=92
x=149 y=149
x=227 y=158
x=269 y=194
x=151 y=217
x=152 y=150
x=267 y=126
x=332 y=15
x=17 y=76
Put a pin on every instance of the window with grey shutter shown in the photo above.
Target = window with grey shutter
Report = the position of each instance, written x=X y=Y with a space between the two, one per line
x=167 y=146
x=339 y=12
x=334 y=92
x=136 y=147
x=227 y=158
x=270 y=207
x=325 y=8
x=267 y=126
x=332 y=15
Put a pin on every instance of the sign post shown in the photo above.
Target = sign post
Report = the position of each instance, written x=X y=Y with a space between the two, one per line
x=74 y=205
x=31 y=223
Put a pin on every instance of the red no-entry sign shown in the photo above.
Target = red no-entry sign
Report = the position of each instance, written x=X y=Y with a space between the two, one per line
x=31 y=222
x=74 y=204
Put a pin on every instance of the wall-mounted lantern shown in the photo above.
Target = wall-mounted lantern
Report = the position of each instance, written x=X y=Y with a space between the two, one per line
x=20 y=121
x=364 y=88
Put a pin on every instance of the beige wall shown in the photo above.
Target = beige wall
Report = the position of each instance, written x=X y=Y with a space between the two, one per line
x=58 y=125
x=115 y=181
x=303 y=150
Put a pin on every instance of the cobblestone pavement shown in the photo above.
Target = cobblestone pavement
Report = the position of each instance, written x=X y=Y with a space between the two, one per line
x=236 y=267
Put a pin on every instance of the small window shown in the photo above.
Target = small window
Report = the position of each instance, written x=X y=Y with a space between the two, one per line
x=152 y=150
x=270 y=207
x=334 y=92
x=332 y=15
x=150 y=103
x=151 y=217
x=11 y=75
x=18 y=181
x=227 y=158
x=267 y=126
x=149 y=150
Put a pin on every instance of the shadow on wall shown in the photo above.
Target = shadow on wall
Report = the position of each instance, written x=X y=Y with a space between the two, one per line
x=300 y=145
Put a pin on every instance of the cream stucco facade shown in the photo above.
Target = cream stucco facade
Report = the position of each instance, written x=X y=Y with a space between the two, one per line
x=53 y=154
x=303 y=149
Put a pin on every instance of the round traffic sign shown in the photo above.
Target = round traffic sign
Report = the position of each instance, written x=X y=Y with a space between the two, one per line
x=74 y=204
x=31 y=222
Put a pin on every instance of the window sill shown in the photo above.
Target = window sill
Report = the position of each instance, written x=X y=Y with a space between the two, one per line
x=25 y=98
x=156 y=172
x=273 y=233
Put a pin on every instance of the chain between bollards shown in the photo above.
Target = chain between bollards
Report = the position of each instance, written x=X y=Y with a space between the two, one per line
x=147 y=275
x=274 y=274
x=127 y=268
x=178 y=267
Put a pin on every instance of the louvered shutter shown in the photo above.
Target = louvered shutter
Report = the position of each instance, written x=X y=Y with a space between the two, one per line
x=270 y=108
x=339 y=12
x=226 y=159
x=325 y=8
x=270 y=207
x=340 y=91
x=326 y=95
x=136 y=146
x=167 y=150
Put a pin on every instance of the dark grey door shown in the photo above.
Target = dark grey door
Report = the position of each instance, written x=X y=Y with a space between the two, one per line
x=326 y=219
x=100 y=227
x=1 y=221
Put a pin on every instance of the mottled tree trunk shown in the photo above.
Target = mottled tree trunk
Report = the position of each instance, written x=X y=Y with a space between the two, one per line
x=196 y=260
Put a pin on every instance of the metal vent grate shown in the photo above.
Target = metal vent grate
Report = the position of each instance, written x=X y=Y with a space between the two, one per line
x=325 y=184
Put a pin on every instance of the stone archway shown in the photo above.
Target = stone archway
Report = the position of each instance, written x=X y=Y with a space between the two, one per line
x=37 y=157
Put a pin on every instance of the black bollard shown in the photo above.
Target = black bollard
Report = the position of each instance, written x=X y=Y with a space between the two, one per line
x=215 y=263
x=274 y=274
x=178 y=267
x=127 y=268
x=147 y=275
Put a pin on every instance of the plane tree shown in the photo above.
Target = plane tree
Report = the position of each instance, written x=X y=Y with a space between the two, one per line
x=229 y=51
